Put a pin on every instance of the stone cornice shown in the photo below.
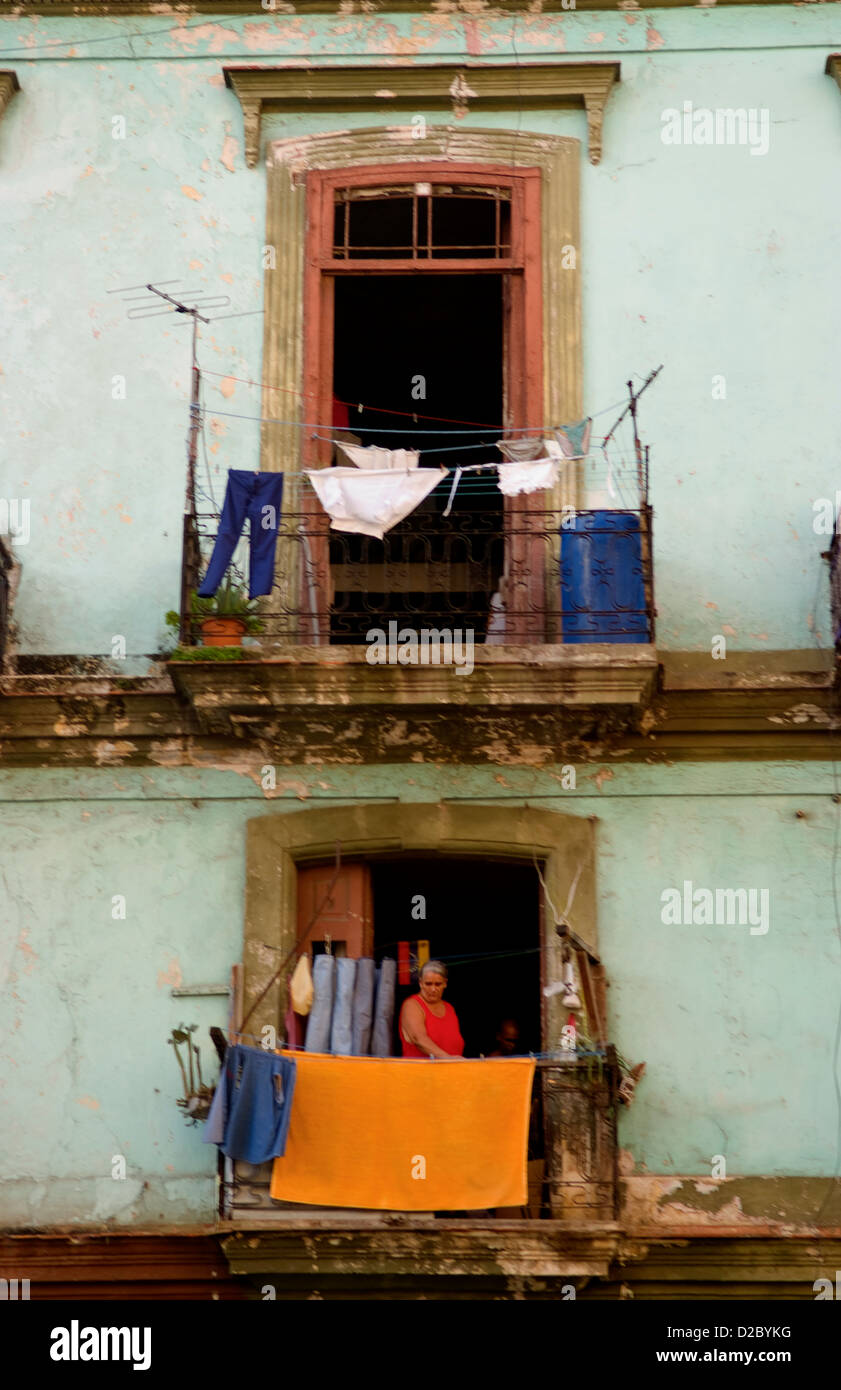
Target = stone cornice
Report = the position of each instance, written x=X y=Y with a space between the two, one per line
x=345 y=8
x=459 y=88
x=315 y=705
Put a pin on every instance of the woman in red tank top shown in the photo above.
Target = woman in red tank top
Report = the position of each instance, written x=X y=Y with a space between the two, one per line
x=428 y=1026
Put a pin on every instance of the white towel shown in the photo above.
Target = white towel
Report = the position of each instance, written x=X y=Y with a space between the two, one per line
x=369 y=502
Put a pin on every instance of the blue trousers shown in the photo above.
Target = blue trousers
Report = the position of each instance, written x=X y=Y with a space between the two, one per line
x=256 y=498
x=252 y=1107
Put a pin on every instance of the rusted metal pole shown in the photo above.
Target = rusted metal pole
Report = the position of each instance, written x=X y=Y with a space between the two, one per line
x=189 y=541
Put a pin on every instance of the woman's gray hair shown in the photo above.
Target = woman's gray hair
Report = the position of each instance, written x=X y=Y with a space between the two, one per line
x=436 y=965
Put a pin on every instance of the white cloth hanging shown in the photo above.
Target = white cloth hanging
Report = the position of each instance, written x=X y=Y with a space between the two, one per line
x=370 y=501
x=515 y=478
x=373 y=456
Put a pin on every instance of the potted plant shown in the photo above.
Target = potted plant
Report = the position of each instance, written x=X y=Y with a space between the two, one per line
x=223 y=618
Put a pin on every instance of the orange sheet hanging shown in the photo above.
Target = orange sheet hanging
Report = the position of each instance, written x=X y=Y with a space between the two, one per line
x=407 y=1135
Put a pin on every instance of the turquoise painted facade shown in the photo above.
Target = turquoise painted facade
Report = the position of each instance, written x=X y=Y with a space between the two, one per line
x=721 y=264
x=714 y=261
x=736 y=1027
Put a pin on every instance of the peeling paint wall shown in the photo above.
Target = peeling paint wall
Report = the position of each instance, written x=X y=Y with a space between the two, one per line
x=736 y=1028
x=711 y=260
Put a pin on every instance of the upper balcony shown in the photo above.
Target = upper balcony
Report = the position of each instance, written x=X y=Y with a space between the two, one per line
x=542 y=608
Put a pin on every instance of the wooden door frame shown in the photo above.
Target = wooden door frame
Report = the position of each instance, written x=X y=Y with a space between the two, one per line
x=522 y=334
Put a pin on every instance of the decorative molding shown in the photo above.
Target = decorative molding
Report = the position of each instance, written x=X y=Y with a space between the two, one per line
x=288 y=161
x=8 y=86
x=456 y=87
x=345 y=8
x=833 y=67
x=276 y=843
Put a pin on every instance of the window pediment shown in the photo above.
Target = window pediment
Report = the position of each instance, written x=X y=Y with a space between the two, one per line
x=459 y=88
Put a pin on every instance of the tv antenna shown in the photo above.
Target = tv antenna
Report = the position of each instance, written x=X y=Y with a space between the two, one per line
x=151 y=304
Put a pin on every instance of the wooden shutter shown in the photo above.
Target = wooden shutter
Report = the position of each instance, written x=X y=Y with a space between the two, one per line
x=346 y=917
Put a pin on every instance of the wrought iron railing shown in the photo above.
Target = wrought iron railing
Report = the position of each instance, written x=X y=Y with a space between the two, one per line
x=508 y=575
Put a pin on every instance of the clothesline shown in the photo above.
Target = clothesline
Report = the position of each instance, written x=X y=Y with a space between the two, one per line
x=507 y=430
x=536 y=1056
x=385 y=410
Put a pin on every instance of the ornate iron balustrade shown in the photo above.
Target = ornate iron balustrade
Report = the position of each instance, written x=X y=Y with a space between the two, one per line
x=512 y=575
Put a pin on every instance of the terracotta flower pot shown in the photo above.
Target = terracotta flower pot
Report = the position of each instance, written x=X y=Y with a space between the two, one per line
x=222 y=632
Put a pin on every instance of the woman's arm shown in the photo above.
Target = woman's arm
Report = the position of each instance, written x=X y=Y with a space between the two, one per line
x=413 y=1028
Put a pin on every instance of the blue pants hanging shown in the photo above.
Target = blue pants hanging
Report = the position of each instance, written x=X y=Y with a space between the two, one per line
x=256 y=498
x=249 y=1117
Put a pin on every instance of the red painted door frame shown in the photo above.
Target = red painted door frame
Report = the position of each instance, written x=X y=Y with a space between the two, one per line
x=523 y=349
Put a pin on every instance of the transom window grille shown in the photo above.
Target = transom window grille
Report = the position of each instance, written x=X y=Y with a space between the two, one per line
x=422 y=222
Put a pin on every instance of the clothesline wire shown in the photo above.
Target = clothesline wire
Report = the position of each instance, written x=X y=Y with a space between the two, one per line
x=370 y=429
x=365 y=1057
x=384 y=410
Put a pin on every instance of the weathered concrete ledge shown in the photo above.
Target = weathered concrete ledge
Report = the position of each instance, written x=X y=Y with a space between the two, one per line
x=524 y=705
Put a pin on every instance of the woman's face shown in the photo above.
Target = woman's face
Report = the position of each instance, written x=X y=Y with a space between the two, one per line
x=432 y=986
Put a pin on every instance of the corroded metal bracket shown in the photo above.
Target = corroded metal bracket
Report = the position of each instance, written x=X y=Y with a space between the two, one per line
x=458 y=88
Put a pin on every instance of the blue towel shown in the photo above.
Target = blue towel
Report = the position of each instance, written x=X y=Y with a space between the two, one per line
x=340 y=1032
x=321 y=1013
x=250 y=1114
x=363 y=1007
x=384 y=1009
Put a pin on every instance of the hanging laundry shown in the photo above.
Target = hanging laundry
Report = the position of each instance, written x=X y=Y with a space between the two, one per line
x=321 y=1014
x=295 y=1026
x=363 y=1007
x=373 y=456
x=256 y=498
x=514 y=478
x=522 y=450
x=300 y=986
x=496 y=620
x=468 y=1120
x=371 y=501
x=250 y=1113
x=340 y=1028
x=574 y=439
x=384 y=1009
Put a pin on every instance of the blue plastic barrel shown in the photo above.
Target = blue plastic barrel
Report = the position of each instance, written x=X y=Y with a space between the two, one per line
x=602 y=586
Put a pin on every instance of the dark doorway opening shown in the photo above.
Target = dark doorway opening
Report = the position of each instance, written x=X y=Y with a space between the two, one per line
x=422 y=346
x=482 y=919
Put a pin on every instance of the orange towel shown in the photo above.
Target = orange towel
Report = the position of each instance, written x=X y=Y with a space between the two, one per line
x=407 y=1135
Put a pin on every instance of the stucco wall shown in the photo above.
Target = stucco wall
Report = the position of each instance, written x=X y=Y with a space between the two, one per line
x=712 y=260
x=736 y=1028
